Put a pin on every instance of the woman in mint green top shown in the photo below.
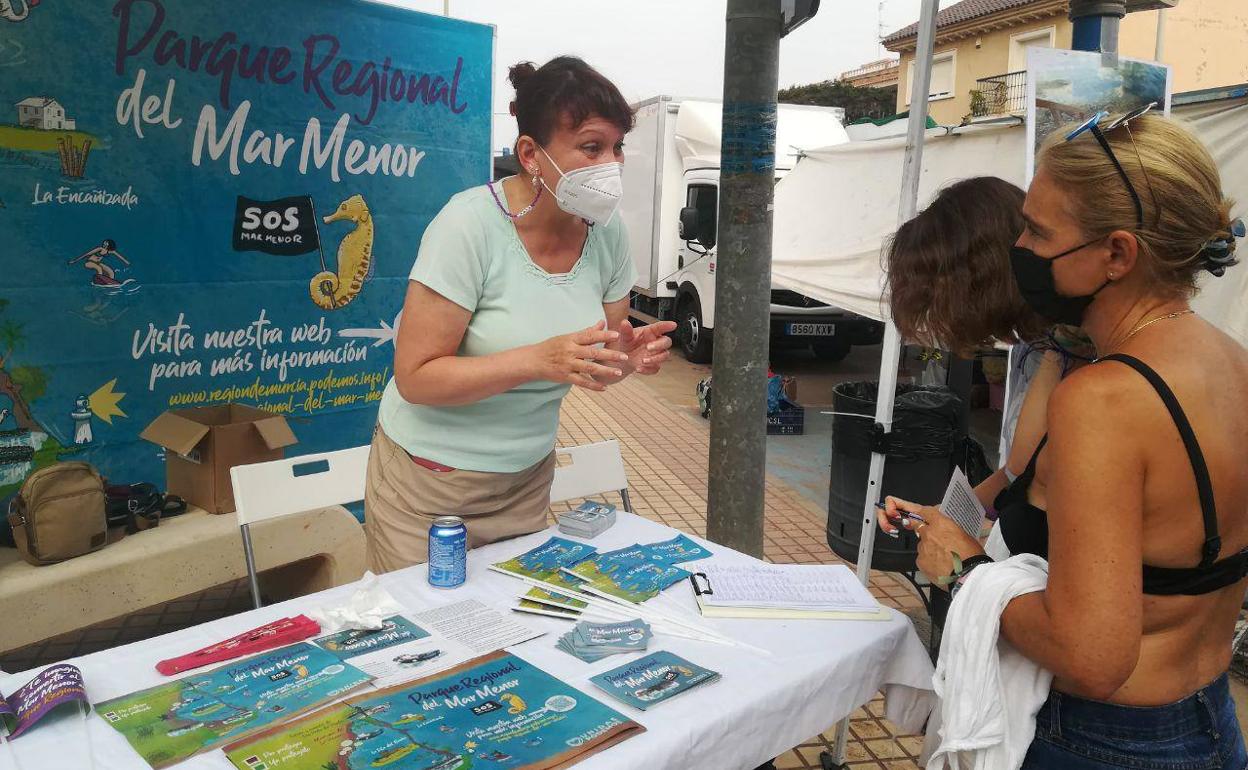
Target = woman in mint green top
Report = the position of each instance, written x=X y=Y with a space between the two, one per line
x=520 y=291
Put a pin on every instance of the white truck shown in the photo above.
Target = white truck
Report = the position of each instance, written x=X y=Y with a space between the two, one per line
x=671 y=209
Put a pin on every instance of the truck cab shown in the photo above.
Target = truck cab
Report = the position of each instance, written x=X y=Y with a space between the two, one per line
x=671 y=212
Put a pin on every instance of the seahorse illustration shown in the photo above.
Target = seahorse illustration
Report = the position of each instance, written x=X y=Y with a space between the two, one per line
x=332 y=290
x=516 y=703
x=16 y=10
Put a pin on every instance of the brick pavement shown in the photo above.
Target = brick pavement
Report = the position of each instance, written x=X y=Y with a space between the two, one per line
x=665 y=451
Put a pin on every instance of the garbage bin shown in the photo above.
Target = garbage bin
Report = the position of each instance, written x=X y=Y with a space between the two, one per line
x=922 y=452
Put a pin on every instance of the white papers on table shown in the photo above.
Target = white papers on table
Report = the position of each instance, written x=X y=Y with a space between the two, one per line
x=784 y=587
x=480 y=627
x=961 y=504
x=400 y=651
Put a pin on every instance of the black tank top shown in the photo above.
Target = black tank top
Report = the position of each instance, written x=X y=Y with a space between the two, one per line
x=1025 y=528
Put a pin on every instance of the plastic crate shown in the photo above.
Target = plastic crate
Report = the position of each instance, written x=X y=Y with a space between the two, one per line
x=787 y=422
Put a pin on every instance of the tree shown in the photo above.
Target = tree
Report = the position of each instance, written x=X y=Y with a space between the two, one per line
x=31 y=381
x=11 y=338
x=859 y=102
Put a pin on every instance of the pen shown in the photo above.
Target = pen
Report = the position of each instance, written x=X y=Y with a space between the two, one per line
x=904 y=515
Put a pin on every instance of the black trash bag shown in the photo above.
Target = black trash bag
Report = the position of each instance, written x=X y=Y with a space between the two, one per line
x=924 y=446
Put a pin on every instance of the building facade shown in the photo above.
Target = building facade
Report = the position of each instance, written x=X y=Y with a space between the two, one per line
x=876 y=74
x=979 y=63
x=42 y=112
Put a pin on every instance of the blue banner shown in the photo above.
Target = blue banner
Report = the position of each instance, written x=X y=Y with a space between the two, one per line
x=213 y=202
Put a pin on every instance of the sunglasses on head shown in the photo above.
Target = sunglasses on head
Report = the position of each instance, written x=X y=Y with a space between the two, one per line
x=1093 y=126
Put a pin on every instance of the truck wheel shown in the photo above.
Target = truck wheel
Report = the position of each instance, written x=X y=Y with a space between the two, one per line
x=694 y=339
x=833 y=350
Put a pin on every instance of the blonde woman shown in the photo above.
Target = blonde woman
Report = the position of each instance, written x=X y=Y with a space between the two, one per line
x=1146 y=490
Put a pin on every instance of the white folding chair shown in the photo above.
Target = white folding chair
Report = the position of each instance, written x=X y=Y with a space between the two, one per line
x=278 y=488
x=595 y=468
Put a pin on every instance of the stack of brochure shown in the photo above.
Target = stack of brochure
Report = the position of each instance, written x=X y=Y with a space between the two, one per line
x=635 y=574
x=591 y=642
x=653 y=679
x=588 y=520
x=784 y=591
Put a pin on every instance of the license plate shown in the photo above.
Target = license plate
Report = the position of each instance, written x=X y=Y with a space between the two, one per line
x=811 y=330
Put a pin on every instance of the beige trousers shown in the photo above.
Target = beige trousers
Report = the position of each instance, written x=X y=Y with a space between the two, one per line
x=402 y=498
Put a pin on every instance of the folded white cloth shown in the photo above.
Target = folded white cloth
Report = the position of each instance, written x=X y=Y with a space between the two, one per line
x=989 y=693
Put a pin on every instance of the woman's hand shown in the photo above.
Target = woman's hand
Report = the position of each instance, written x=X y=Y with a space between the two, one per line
x=573 y=358
x=939 y=537
x=646 y=347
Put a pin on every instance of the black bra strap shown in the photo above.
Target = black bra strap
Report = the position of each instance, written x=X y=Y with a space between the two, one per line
x=1029 y=472
x=1204 y=487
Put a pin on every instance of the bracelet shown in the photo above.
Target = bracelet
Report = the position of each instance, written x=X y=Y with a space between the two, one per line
x=965 y=572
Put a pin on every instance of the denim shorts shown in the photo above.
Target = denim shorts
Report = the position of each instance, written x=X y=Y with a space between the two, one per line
x=1199 y=732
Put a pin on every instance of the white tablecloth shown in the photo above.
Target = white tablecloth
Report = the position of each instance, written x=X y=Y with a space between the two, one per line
x=819 y=673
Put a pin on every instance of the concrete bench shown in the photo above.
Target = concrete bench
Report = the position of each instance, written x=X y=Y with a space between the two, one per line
x=298 y=554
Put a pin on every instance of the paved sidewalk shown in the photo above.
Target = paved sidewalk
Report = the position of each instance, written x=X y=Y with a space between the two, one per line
x=665 y=450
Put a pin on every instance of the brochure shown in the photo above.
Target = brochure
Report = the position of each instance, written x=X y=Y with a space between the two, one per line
x=536 y=608
x=544 y=561
x=399 y=651
x=608 y=562
x=675 y=551
x=592 y=642
x=48 y=691
x=636 y=583
x=493 y=711
x=652 y=679
x=177 y=720
x=481 y=628
x=664 y=554
x=559 y=601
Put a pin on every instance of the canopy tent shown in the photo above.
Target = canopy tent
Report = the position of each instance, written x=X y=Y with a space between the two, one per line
x=882 y=128
x=837 y=207
x=1220 y=125
x=798 y=127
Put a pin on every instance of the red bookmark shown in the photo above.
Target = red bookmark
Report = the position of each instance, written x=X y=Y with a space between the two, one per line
x=267 y=637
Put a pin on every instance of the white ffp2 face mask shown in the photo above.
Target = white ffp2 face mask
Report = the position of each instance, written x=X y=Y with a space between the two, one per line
x=591 y=193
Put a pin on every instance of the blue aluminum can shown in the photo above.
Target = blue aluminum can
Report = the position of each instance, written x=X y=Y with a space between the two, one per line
x=448 y=552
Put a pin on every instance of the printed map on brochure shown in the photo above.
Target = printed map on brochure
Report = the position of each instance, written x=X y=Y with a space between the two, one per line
x=176 y=720
x=399 y=651
x=496 y=711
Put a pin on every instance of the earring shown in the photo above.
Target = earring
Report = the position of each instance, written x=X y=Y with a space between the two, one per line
x=533 y=178
x=1111 y=276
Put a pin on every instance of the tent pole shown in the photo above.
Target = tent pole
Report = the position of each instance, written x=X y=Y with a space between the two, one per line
x=909 y=204
x=891 y=351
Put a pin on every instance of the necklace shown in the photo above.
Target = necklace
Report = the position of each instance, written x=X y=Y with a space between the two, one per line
x=523 y=211
x=1145 y=324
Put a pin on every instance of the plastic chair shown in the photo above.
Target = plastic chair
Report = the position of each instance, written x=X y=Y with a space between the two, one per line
x=271 y=490
x=595 y=468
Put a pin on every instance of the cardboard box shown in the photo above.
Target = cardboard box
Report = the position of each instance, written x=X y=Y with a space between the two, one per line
x=202 y=444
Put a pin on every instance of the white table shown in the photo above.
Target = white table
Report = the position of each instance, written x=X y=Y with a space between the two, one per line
x=819 y=673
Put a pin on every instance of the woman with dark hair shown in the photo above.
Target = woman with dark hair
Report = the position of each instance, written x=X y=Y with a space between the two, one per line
x=520 y=291
x=1145 y=525
x=950 y=286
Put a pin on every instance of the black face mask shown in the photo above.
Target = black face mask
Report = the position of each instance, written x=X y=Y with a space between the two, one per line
x=1034 y=276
